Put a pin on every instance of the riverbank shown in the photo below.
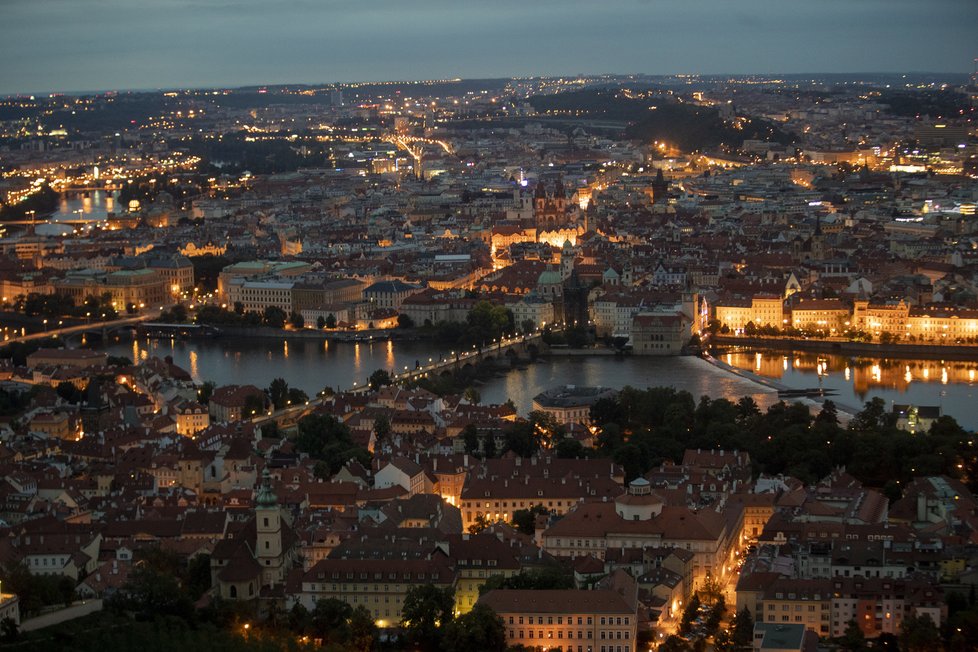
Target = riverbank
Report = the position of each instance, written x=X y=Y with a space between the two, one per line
x=554 y=351
x=963 y=353
x=267 y=332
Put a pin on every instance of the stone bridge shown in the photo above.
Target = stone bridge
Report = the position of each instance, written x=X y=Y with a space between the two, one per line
x=519 y=346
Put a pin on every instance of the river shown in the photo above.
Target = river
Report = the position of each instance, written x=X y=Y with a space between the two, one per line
x=93 y=208
x=314 y=364
x=951 y=385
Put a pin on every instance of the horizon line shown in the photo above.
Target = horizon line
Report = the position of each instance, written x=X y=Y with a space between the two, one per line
x=164 y=89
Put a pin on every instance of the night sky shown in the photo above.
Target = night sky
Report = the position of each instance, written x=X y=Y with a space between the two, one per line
x=75 y=45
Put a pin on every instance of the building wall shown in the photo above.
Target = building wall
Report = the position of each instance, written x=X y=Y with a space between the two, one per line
x=605 y=632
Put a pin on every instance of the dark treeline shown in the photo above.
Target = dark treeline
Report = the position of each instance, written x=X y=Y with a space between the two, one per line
x=643 y=428
x=689 y=127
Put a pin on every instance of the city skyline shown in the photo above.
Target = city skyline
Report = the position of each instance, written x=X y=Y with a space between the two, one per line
x=56 y=46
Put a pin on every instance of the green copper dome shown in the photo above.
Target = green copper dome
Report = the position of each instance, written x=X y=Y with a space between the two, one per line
x=266 y=497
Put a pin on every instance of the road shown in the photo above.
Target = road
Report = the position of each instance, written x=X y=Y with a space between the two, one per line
x=76 y=610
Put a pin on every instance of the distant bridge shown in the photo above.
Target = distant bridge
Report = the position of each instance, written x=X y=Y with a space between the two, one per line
x=519 y=346
x=512 y=347
x=103 y=328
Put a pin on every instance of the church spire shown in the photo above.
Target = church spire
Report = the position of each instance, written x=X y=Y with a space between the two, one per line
x=266 y=497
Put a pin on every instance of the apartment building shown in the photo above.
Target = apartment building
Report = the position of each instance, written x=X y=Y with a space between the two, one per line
x=380 y=585
x=566 y=620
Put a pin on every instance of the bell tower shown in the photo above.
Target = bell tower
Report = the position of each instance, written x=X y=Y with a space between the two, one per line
x=268 y=539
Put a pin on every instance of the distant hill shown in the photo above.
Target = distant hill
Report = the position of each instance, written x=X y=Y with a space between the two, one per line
x=919 y=103
x=687 y=126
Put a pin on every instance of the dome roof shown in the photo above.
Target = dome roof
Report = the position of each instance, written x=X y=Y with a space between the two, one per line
x=549 y=277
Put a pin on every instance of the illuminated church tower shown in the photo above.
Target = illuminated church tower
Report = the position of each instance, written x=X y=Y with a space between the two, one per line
x=268 y=540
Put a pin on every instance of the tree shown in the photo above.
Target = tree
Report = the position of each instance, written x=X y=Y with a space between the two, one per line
x=524 y=519
x=743 y=628
x=328 y=440
x=689 y=615
x=239 y=308
x=716 y=615
x=379 y=378
x=487 y=322
x=296 y=396
x=198 y=575
x=919 y=634
x=278 y=392
x=470 y=436
x=426 y=608
x=711 y=590
x=363 y=630
x=320 y=322
x=489 y=446
x=521 y=439
x=151 y=592
x=297 y=320
x=872 y=416
x=569 y=449
x=67 y=391
x=382 y=427
x=853 y=639
x=206 y=390
x=274 y=317
x=750 y=329
x=405 y=321
x=66 y=590
x=545 y=578
x=331 y=321
x=723 y=641
x=479 y=629
x=253 y=405
x=675 y=644
x=480 y=523
x=330 y=620
x=471 y=394
x=604 y=411
x=298 y=619
x=9 y=631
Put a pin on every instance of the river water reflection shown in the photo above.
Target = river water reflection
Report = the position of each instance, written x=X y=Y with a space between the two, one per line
x=93 y=206
x=949 y=384
x=313 y=364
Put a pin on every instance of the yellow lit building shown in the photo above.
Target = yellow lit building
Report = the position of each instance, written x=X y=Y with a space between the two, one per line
x=380 y=585
x=828 y=315
x=762 y=310
x=566 y=619
x=880 y=318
